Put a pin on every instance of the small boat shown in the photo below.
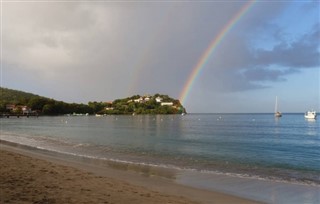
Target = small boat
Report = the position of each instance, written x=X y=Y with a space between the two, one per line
x=277 y=113
x=310 y=115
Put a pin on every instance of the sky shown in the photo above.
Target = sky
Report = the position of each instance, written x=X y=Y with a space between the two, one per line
x=81 y=51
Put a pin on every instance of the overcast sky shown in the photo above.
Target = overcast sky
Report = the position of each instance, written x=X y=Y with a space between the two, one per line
x=100 y=51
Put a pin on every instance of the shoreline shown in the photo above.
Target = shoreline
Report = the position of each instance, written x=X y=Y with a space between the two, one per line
x=145 y=187
x=121 y=162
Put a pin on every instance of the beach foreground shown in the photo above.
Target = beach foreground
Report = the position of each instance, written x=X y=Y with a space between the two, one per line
x=24 y=178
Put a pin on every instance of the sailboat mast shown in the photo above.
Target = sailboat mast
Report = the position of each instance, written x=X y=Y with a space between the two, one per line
x=276 y=112
x=276 y=106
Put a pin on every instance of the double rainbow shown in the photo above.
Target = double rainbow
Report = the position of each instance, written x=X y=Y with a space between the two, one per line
x=211 y=48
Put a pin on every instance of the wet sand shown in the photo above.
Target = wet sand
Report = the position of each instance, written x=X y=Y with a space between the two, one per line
x=28 y=177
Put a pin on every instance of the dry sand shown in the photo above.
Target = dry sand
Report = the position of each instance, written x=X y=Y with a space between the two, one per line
x=28 y=179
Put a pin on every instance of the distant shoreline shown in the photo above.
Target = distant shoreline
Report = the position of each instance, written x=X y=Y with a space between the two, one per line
x=83 y=114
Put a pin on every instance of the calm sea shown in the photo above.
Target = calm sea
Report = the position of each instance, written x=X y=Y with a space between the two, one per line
x=241 y=145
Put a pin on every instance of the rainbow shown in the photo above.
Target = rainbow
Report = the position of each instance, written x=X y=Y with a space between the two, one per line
x=211 y=48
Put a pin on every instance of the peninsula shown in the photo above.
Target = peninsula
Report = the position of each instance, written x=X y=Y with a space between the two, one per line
x=19 y=102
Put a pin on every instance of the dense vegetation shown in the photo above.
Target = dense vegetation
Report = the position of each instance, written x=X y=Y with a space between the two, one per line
x=47 y=106
x=146 y=105
x=39 y=104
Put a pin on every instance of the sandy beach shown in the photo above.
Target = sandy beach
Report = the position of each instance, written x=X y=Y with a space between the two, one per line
x=26 y=177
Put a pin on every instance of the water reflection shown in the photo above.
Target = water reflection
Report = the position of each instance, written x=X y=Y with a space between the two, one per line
x=312 y=127
x=311 y=120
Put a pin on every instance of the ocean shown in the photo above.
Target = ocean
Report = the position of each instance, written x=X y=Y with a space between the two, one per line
x=224 y=152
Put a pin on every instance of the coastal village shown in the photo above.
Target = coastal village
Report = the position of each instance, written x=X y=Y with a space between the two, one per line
x=145 y=99
x=148 y=98
x=147 y=104
x=19 y=110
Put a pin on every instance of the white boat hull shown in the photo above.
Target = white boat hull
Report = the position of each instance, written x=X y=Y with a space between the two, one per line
x=310 y=115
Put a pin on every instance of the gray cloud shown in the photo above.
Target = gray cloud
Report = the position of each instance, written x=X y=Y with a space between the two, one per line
x=290 y=57
x=238 y=66
x=265 y=74
x=102 y=51
x=302 y=53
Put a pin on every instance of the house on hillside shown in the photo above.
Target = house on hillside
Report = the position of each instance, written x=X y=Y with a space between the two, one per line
x=167 y=104
x=26 y=110
x=139 y=100
x=10 y=107
x=19 y=108
x=158 y=99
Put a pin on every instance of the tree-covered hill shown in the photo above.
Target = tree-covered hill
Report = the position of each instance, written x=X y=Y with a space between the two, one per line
x=147 y=104
x=15 y=96
x=17 y=102
x=42 y=105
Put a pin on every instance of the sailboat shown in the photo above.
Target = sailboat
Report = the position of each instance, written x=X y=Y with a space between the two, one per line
x=277 y=114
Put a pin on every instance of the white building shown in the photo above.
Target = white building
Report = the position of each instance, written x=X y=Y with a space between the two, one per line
x=158 y=99
x=26 y=110
x=167 y=104
x=139 y=100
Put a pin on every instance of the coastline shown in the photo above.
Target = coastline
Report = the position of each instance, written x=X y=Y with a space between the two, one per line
x=47 y=178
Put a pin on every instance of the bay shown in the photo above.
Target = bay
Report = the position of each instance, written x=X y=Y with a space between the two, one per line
x=259 y=146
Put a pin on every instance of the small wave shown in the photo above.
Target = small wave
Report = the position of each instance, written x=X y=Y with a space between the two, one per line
x=262 y=178
x=81 y=145
x=59 y=146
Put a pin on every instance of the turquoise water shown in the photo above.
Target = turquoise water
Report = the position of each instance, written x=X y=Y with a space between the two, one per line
x=251 y=145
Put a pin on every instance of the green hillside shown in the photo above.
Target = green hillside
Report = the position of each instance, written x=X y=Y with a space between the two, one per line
x=15 y=97
x=15 y=102
x=35 y=103
x=147 y=104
